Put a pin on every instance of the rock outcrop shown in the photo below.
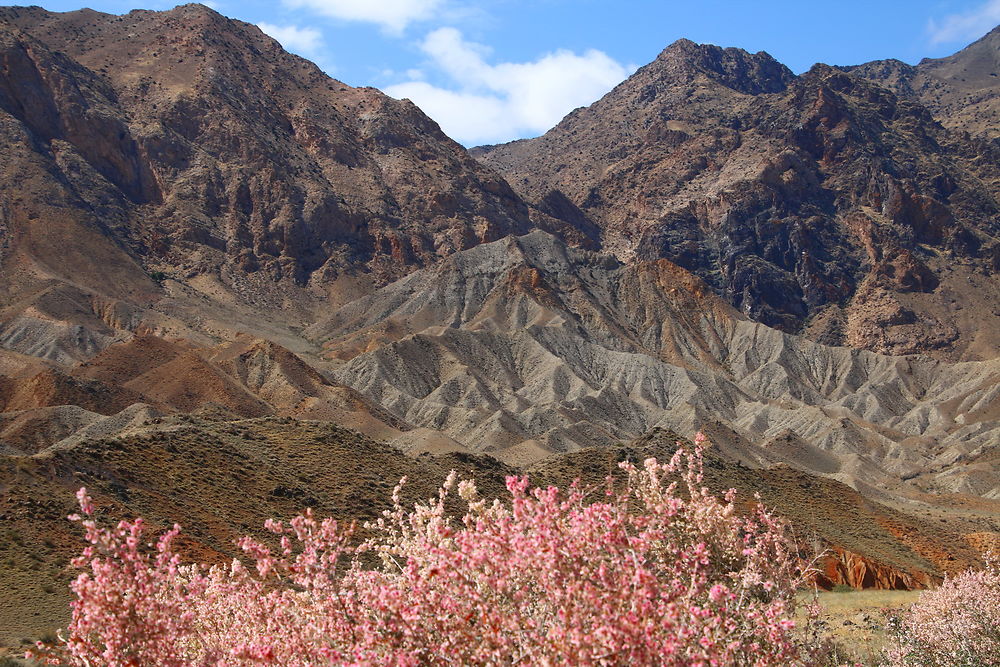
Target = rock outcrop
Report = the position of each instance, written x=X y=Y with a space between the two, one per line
x=844 y=568
x=961 y=90
x=820 y=204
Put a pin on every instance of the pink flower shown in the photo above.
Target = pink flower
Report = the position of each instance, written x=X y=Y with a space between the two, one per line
x=958 y=623
x=545 y=577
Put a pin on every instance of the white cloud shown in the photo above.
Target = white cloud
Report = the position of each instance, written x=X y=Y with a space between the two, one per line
x=466 y=117
x=392 y=15
x=304 y=41
x=490 y=103
x=965 y=26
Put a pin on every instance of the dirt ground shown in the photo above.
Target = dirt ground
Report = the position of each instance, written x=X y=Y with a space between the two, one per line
x=855 y=620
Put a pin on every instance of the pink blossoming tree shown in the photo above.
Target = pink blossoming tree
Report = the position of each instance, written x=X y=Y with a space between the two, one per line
x=658 y=572
x=955 y=625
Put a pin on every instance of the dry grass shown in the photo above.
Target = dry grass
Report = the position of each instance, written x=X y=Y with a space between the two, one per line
x=855 y=620
x=220 y=479
x=824 y=512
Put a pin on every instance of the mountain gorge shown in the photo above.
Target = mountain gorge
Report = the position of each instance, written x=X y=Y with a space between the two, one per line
x=219 y=264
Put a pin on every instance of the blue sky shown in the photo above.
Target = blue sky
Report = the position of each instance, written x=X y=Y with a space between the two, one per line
x=496 y=70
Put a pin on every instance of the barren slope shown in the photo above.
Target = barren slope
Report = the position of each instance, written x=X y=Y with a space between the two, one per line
x=162 y=168
x=820 y=203
x=962 y=90
x=525 y=347
x=220 y=478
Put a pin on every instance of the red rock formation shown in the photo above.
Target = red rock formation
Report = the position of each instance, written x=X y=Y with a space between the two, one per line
x=842 y=567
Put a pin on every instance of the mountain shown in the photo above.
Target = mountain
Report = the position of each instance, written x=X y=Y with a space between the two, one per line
x=231 y=286
x=962 y=90
x=182 y=145
x=820 y=204
x=525 y=347
x=243 y=154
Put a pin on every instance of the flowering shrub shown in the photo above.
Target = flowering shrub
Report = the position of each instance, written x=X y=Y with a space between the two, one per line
x=649 y=574
x=956 y=624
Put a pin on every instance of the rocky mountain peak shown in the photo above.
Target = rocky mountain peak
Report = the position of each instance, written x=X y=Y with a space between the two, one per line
x=985 y=46
x=749 y=73
x=823 y=206
x=977 y=64
x=961 y=90
x=256 y=163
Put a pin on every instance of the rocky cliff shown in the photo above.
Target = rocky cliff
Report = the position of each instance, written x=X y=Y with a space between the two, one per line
x=820 y=204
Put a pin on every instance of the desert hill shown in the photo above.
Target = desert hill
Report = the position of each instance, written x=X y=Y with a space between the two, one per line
x=149 y=377
x=524 y=347
x=902 y=551
x=820 y=204
x=221 y=476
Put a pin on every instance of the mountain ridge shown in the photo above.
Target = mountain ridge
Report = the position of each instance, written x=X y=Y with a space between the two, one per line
x=549 y=348
x=828 y=207
x=961 y=90
x=277 y=217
